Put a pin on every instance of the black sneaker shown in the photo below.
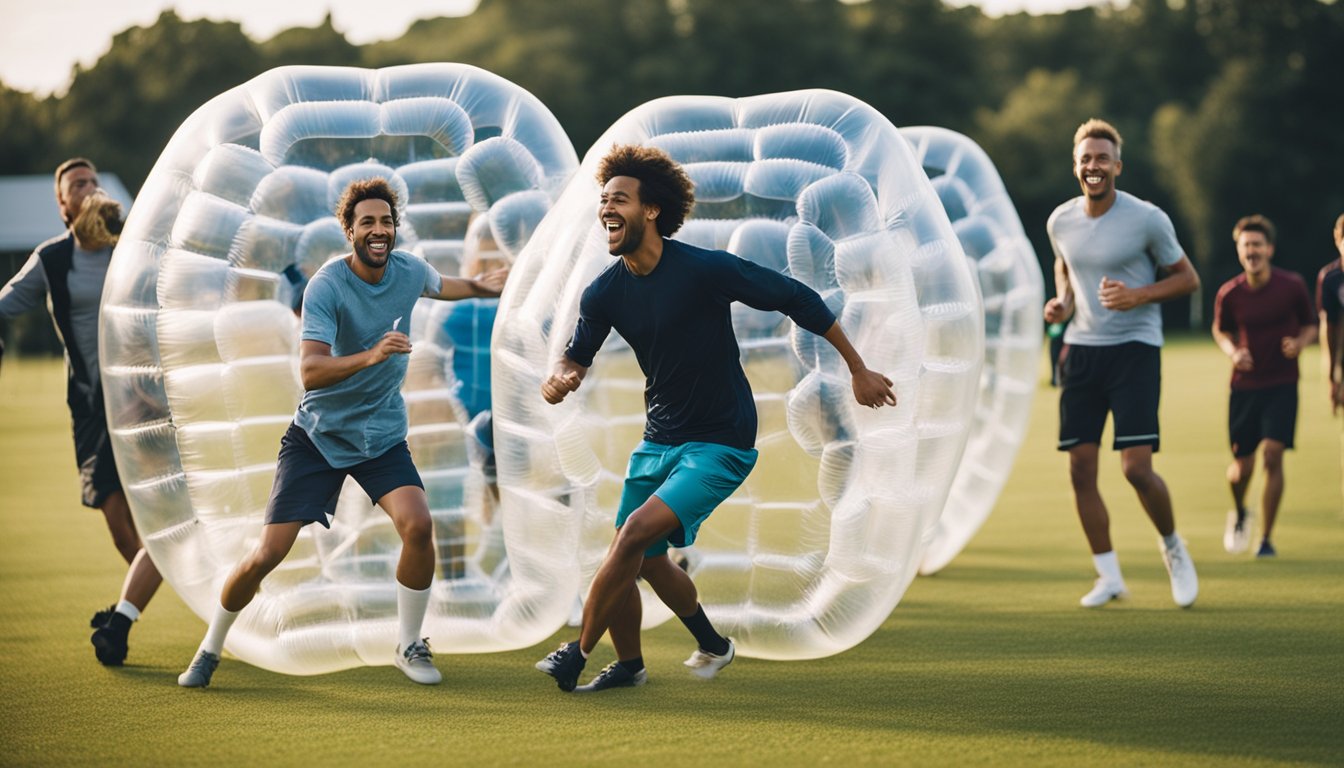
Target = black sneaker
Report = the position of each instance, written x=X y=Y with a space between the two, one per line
x=614 y=676
x=100 y=617
x=564 y=664
x=109 y=640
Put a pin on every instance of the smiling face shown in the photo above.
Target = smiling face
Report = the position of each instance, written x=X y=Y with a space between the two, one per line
x=1254 y=251
x=373 y=232
x=1096 y=163
x=626 y=219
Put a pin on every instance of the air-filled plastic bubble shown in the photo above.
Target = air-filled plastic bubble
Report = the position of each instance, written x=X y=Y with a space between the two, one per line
x=200 y=351
x=1013 y=291
x=818 y=545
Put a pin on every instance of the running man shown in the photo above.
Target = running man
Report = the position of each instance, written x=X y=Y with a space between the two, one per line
x=672 y=303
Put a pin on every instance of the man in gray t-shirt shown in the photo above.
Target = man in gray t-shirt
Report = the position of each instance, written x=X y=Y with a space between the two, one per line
x=352 y=420
x=1116 y=259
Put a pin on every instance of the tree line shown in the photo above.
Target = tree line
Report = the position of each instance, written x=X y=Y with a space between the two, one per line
x=1228 y=107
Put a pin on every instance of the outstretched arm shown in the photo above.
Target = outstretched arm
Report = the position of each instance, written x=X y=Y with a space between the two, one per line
x=870 y=387
x=318 y=368
x=487 y=286
x=565 y=378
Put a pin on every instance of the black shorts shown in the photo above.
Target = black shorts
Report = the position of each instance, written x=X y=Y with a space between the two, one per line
x=1261 y=414
x=306 y=486
x=1124 y=380
x=98 y=476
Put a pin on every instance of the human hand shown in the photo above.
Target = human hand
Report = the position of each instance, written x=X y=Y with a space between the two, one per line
x=492 y=282
x=1056 y=311
x=1291 y=349
x=873 y=389
x=1114 y=294
x=392 y=343
x=1241 y=359
x=558 y=385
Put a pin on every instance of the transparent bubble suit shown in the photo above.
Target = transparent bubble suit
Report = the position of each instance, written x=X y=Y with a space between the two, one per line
x=813 y=552
x=200 y=349
x=1013 y=291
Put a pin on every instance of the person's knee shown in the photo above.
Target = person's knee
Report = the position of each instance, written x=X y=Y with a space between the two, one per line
x=1083 y=471
x=417 y=529
x=1273 y=458
x=1239 y=471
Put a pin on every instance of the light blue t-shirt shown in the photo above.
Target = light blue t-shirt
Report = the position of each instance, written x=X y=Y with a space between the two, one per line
x=363 y=416
x=1129 y=243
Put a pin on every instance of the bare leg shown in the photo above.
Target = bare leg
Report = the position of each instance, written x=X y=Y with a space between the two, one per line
x=1137 y=464
x=1087 y=498
x=1239 y=478
x=117 y=512
x=142 y=581
x=610 y=589
x=1274 y=483
x=409 y=509
x=624 y=627
x=672 y=585
x=276 y=541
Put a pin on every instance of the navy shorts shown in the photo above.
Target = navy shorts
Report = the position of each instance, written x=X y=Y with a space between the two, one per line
x=1261 y=414
x=98 y=476
x=306 y=486
x=1124 y=380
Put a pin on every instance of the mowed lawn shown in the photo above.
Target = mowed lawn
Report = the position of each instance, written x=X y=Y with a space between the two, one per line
x=991 y=662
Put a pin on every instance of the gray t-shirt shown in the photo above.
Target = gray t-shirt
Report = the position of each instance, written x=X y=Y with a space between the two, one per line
x=363 y=416
x=1129 y=243
x=88 y=271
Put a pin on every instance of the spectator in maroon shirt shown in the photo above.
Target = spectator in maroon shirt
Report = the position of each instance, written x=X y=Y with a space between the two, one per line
x=1262 y=319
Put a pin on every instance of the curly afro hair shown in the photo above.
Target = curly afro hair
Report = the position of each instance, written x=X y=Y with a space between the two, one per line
x=376 y=188
x=662 y=182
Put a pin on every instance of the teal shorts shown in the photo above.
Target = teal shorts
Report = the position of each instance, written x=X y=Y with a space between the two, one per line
x=692 y=479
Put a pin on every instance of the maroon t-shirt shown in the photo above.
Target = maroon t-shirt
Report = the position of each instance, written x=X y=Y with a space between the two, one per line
x=1259 y=319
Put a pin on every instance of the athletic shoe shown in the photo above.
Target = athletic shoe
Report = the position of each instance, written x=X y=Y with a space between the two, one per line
x=100 y=617
x=418 y=663
x=1104 y=592
x=1266 y=549
x=1237 y=535
x=706 y=665
x=614 y=676
x=564 y=664
x=1184 y=582
x=198 y=674
x=109 y=640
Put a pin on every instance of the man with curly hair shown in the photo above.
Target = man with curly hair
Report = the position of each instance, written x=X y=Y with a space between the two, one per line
x=672 y=303
x=352 y=420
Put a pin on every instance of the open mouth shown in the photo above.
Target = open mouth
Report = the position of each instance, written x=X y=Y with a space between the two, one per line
x=378 y=247
x=615 y=229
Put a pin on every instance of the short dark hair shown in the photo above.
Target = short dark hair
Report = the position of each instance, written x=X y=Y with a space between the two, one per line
x=1339 y=229
x=1098 y=129
x=1254 y=223
x=376 y=188
x=662 y=182
x=69 y=165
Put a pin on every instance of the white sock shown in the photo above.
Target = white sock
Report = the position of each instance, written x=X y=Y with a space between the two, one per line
x=411 y=607
x=127 y=608
x=1171 y=541
x=219 y=627
x=1108 y=567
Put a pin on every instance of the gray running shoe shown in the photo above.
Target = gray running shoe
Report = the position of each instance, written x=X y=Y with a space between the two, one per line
x=418 y=663
x=198 y=674
x=614 y=676
x=706 y=665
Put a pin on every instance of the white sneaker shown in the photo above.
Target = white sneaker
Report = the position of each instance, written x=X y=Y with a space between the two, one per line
x=1184 y=582
x=418 y=663
x=1104 y=592
x=1237 y=535
x=705 y=665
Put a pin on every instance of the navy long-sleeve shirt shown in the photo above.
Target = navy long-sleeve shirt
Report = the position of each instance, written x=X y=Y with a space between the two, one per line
x=678 y=321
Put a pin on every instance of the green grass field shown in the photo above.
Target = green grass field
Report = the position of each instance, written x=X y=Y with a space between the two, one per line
x=990 y=662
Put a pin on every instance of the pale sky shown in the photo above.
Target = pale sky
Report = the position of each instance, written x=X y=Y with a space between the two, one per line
x=41 y=40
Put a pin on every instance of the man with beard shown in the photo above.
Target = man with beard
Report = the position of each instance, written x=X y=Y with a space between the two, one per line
x=671 y=302
x=68 y=272
x=1116 y=259
x=352 y=420
x=1262 y=320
